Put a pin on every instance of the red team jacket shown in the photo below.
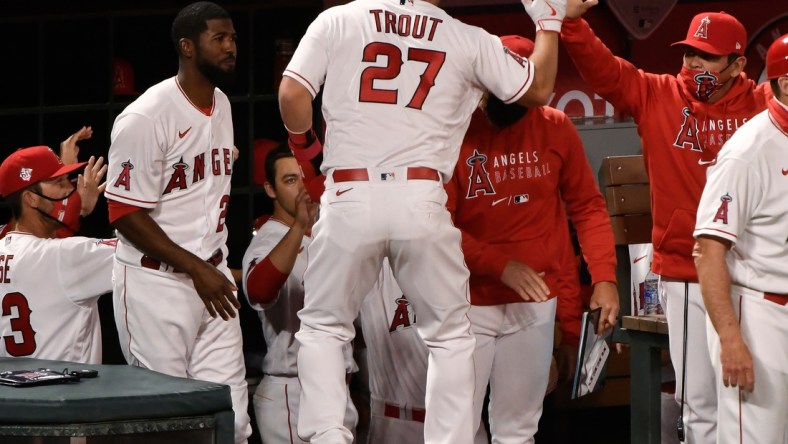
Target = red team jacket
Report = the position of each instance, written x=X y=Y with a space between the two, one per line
x=675 y=153
x=508 y=195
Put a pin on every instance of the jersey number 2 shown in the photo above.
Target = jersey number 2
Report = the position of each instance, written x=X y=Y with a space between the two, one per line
x=21 y=323
x=368 y=93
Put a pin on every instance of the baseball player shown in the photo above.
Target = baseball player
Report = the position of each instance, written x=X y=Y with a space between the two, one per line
x=49 y=288
x=170 y=165
x=519 y=168
x=742 y=261
x=683 y=122
x=273 y=269
x=400 y=80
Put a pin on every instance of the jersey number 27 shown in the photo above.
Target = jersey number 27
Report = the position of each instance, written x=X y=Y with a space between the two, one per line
x=368 y=93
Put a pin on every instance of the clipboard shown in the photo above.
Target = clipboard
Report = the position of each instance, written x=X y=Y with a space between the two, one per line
x=592 y=357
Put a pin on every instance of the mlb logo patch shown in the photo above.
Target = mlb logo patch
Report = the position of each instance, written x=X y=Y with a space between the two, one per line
x=521 y=198
x=26 y=174
x=386 y=176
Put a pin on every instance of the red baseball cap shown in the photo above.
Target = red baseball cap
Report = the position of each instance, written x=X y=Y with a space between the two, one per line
x=520 y=45
x=27 y=166
x=716 y=33
x=777 y=58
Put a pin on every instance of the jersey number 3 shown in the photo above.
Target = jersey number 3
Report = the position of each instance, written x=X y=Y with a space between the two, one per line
x=368 y=93
x=21 y=324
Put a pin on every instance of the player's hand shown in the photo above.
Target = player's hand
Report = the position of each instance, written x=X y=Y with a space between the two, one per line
x=525 y=281
x=546 y=14
x=305 y=211
x=576 y=8
x=69 y=148
x=606 y=296
x=88 y=184
x=236 y=153
x=216 y=291
x=737 y=369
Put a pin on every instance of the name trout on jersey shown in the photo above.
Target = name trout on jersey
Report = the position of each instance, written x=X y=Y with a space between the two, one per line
x=183 y=174
x=405 y=25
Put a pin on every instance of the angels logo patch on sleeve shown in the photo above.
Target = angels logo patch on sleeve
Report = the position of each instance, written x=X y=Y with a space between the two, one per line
x=722 y=211
x=124 y=178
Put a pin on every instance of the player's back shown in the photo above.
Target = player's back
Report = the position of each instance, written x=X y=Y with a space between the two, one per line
x=49 y=300
x=401 y=83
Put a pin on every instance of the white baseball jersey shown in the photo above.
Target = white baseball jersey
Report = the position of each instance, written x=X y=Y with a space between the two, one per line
x=49 y=289
x=280 y=317
x=745 y=202
x=410 y=65
x=169 y=156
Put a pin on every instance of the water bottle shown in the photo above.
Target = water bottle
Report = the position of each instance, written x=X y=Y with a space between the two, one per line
x=650 y=294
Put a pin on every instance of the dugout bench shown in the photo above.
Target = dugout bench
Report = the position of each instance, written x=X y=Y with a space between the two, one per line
x=627 y=193
x=124 y=404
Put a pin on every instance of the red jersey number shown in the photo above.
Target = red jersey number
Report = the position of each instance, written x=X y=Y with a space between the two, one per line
x=368 y=93
x=224 y=204
x=21 y=324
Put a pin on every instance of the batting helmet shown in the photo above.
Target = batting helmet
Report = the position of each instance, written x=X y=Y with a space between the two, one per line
x=777 y=58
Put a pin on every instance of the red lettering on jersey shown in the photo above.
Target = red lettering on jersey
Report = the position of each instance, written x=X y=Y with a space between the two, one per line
x=178 y=178
x=479 y=179
x=215 y=162
x=21 y=323
x=5 y=261
x=434 y=27
x=722 y=211
x=405 y=25
x=401 y=315
x=419 y=26
x=199 y=168
x=224 y=206
x=376 y=13
x=109 y=242
x=227 y=161
x=703 y=28
x=391 y=22
x=517 y=58
x=688 y=134
x=124 y=178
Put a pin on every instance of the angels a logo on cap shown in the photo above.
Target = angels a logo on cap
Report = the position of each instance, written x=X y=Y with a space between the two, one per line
x=26 y=174
x=703 y=29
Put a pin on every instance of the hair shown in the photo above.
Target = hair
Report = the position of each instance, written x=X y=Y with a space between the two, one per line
x=774 y=83
x=14 y=201
x=280 y=151
x=192 y=20
x=732 y=58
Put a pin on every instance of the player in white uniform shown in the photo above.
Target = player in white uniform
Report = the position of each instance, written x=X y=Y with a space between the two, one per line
x=49 y=288
x=273 y=270
x=742 y=260
x=170 y=165
x=400 y=80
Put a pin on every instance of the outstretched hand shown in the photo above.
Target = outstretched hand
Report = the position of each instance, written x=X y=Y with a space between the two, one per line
x=69 y=148
x=216 y=291
x=546 y=14
x=88 y=184
x=305 y=210
x=576 y=8
x=525 y=281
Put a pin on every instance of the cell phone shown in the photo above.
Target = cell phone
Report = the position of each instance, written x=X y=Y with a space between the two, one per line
x=85 y=373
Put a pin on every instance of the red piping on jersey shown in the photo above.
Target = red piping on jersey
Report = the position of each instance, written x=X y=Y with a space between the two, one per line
x=521 y=88
x=201 y=110
x=130 y=198
x=721 y=231
x=126 y=309
x=289 y=420
x=741 y=430
x=304 y=79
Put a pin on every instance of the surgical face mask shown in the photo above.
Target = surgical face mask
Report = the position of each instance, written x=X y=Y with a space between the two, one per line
x=703 y=84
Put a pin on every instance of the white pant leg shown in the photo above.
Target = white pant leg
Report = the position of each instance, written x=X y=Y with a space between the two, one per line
x=428 y=264
x=759 y=417
x=345 y=257
x=486 y=321
x=700 y=397
x=385 y=430
x=520 y=371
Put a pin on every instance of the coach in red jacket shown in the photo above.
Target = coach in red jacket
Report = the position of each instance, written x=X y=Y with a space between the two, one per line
x=519 y=172
x=683 y=122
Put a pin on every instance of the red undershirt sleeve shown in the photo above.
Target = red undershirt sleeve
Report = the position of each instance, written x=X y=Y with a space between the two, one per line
x=264 y=281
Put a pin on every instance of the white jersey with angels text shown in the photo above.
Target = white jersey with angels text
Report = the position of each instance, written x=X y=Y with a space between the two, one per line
x=172 y=158
x=49 y=289
x=280 y=317
x=397 y=90
x=745 y=202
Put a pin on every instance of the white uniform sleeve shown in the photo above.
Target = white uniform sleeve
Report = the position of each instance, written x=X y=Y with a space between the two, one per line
x=136 y=159
x=729 y=198
x=262 y=244
x=310 y=60
x=84 y=267
x=504 y=73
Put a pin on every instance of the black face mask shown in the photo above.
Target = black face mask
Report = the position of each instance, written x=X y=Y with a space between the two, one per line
x=501 y=114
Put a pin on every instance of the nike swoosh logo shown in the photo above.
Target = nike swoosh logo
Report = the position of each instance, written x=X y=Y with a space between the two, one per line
x=341 y=192
x=551 y=8
x=785 y=172
x=638 y=259
x=496 y=202
x=707 y=162
x=181 y=135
